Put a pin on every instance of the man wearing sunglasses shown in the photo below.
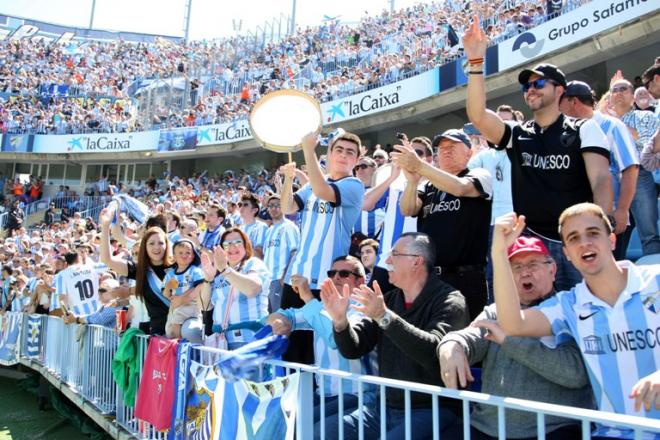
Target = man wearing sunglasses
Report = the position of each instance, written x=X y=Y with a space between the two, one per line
x=650 y=156
x=578 y=101
x=556 y=161
x=345 y=271
x=370 y=221
x=643 y=125
x=405 y=326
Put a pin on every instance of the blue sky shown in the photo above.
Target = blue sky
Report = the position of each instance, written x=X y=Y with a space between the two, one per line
x=209 y=18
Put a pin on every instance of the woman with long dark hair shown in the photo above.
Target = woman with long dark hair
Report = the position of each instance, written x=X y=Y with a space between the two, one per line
x=154 y=258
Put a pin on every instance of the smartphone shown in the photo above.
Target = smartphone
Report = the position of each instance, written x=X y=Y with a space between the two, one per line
x=400 y=136
x=471 y=130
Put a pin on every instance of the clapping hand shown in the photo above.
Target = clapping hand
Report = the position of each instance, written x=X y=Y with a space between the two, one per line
x=220 y=258
x=371 y=302
x=336 y=303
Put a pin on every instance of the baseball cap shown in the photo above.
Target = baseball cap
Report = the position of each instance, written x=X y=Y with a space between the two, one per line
x=543 y=70
x=528 y=244
x=452 y=134
x=578 y=88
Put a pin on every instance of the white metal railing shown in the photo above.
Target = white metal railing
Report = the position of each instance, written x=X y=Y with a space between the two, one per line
x=81 y=357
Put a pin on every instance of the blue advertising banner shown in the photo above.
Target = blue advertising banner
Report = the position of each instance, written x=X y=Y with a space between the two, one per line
x=10 y=330
x=179 y=139
x=16 y=143
x=96 y=142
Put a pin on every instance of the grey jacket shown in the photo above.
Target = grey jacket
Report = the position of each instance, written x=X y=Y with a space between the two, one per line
x=523 y=368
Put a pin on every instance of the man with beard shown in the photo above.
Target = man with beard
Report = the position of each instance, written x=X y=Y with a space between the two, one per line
x=556 y=161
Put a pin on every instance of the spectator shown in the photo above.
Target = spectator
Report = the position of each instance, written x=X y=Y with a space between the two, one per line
x=49 y=215
x=535 y=146
x=517 y=367
x=642 y=125
x=238 y=294
x=597 y=302
x=346 y=271
x=453 y=199
x=255 y=229
x=15 y=218
x=578 y=101
x=153 y=260
x=404 y=326
x=281 y=242
x=329 y=201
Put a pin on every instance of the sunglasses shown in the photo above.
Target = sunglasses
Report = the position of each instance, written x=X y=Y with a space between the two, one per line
x=230 y=243
x=342 y=273
x=420 y=153
x=619 y=89
x=362 y=166
x=538 y=84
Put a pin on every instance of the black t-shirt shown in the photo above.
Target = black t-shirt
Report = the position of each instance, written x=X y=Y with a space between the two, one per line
x=548 y=173
x=156 y=308
x=458 y=225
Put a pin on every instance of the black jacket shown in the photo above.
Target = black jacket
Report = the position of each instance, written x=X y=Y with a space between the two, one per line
x=407 y=349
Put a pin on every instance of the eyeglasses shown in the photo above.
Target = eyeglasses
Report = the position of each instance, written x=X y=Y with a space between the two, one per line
x=342 y=273
x=103 y=290
x=420 y=153
x=398 y=254
x=274 y=206
x=362 y=166
x=533 y=266
x=230 y=243
x=619 y=89
x=538 y=84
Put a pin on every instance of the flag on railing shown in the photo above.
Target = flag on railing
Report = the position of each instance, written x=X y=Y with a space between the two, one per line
x=156 y=394
x=10 y=330
x=247 y=410
x=33 y=347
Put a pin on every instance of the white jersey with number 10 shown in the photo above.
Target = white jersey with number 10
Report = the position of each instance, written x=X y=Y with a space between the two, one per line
x=80 y=284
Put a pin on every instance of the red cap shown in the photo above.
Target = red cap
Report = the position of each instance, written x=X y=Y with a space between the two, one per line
x=528 y=244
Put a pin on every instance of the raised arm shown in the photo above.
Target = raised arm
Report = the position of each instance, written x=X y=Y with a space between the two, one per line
x=286 y=198
x=488 y=123
x=116 y=264
x=372 y=196
x=320 y=187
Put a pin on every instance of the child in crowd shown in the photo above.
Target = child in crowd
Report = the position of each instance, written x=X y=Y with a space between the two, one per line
x=182 y=284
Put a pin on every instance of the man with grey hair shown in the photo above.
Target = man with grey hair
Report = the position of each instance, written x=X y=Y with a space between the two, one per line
x=404 y=325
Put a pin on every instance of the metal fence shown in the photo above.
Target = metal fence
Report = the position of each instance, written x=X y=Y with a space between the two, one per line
x=81 y=358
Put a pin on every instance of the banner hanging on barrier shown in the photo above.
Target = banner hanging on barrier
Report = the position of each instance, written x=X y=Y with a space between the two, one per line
x=10 y=331
x=382 y=99
x=96 y=142
x=570 y=28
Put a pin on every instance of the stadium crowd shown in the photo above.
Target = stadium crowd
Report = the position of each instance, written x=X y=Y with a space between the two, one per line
x=389 y=290
x=92 y=86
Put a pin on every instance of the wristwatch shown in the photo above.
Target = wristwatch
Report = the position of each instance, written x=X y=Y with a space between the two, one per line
x=385 y=320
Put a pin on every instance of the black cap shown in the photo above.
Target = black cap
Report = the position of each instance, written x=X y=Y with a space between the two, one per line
x=578 y=88
x=547 y=71
x=453 y=134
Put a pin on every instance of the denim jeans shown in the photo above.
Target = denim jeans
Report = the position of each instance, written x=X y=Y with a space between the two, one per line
x=644 y=209
x=567 y=275
x=421 y=422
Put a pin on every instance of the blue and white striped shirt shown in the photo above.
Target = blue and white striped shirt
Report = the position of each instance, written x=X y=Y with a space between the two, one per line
x=256 y=232
x=325 y=228
x=312 y=316
x=644 y=123
x=186 y=280
x=279 y=241
x=210 y=239
x=369 y=223
x=394 y=223
x=243 y=308
x=621 y=343
x=80 y=284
